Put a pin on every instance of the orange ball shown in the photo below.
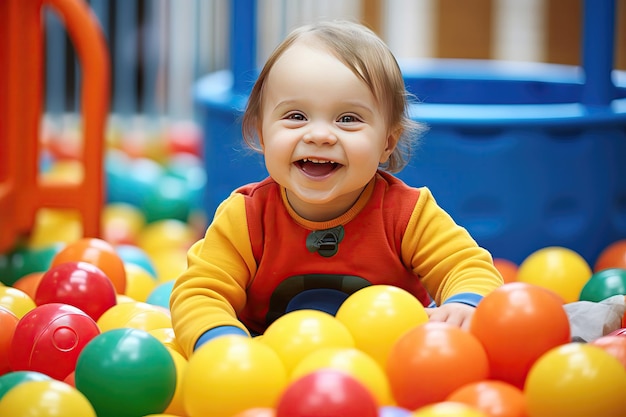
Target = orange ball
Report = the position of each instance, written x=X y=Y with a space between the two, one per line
x=613 y=256
x=494 y=398
x=508 y=269
x=8 y=322
x=29 y=283
x=97 y=252
x=516 y=324
x=432 y=360
x=614 y=345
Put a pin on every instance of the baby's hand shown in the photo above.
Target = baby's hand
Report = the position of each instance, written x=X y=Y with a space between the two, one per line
x=458 y=314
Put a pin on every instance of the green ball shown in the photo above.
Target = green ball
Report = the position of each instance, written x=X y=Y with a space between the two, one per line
x=604 y=284
x=126 y=373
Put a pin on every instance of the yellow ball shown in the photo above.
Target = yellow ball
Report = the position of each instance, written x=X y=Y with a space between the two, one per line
x=576 y=380
x=559 y=269
x=54 y=226
x=298 y=333
x=134 y=315
x=378 y=315
x=354 y=362
x=16 y=301
x=139 y=282
x=167 y=234
x=50 y=398
x=448 y=409
x=176 y=405
x=166 y=336
x=230 y=374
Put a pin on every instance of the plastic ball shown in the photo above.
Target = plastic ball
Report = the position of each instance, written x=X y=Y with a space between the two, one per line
x=49 y=339
x=16 y=301
x=604 y=284
x=326 y=393
x=613 y=256
x=167 y=234
x=8 y=323
x=169 y=198
x=45 y=399
x=191 y=169
x=167 y=336
x=449 y=409
x=432 y=360
x=508 y=269
x=169 y=263
x=79 y=284
x=176 y=405
x=230 y=374
x=121 y=224
x=55 y=226
x=139 y=282
x=97 y=252
x=126 y=372
x=184 y=137
x=352 y=361
x=516 y=324
x=614 y=345
x=393 y=411
x=494 y=398
x=135 y=315
x=576 y=380
x=135 y=255
x=160 y=295
x=13 y=379
x=558 y=269
x=378 y=315
x=298 y=333
x=257 y=412
x=29 y=283
x=25 y=261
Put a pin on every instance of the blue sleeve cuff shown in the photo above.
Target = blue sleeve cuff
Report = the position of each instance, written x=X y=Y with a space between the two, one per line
x=217 y=332
x=468 y=298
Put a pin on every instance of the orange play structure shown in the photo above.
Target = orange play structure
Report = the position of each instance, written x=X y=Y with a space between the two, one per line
x=22 y=192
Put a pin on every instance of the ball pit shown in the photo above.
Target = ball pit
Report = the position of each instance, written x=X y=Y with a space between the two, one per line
x=352 y=349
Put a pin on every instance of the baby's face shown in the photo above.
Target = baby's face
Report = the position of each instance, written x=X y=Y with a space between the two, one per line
x=323 y=132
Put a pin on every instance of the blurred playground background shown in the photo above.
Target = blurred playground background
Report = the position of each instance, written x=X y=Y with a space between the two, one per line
x=158 y=155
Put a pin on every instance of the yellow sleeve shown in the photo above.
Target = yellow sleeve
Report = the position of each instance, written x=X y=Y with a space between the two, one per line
x=444 y=255
x=212 y=289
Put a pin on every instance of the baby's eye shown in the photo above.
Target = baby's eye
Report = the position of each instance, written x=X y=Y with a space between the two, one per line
x=348 y=118
x=295 y=116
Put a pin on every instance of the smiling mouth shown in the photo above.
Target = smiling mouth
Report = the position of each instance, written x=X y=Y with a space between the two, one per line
x=317 y=167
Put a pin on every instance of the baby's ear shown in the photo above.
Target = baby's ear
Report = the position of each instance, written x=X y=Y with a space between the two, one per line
x=392 y=141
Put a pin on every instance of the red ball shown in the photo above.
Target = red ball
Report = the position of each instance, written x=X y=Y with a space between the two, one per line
x=516 y=324
x=432 y=360
x=79 y=284
x=326 y=393
x=49 y=338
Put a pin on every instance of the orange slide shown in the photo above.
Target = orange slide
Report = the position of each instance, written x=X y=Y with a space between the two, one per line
x=22 y=192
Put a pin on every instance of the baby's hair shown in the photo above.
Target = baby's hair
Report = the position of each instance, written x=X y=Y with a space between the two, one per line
x=361 y=50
